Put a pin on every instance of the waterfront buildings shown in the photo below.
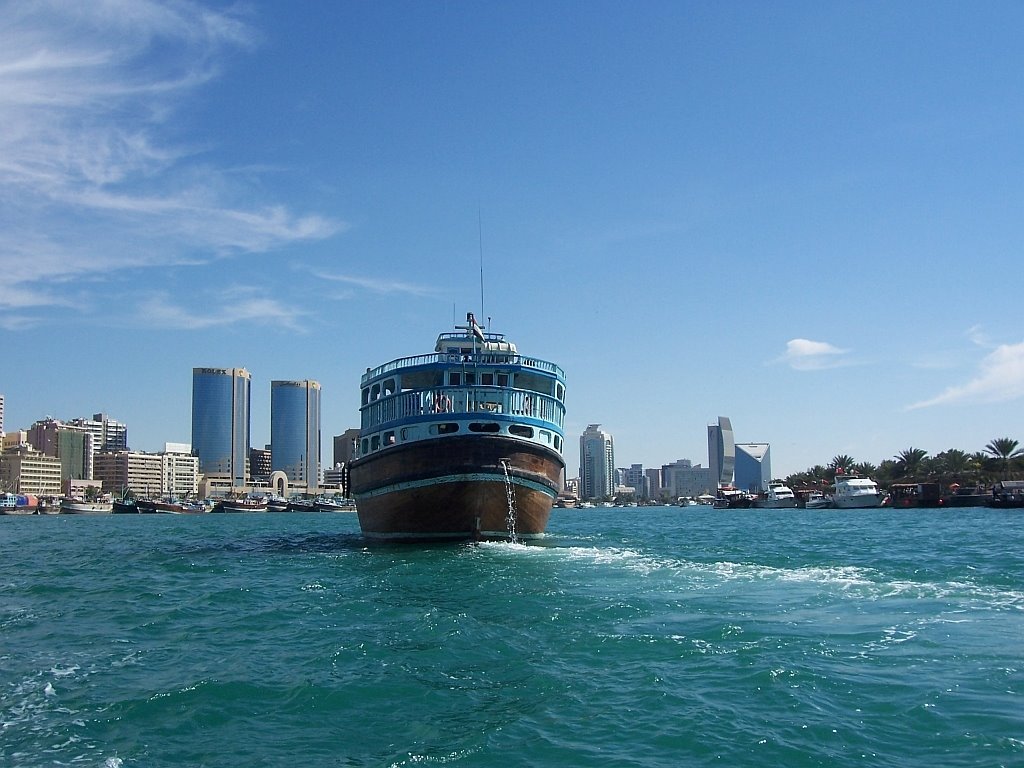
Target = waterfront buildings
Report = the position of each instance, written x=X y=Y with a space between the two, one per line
x=682 y=479
x=597 y=463
x=261 y=463
x=635 y=479
x=345 y=446
x=175 y=472
x=23 y=469
x=221 y=400
x=753 y=467
x=107 y=434
x=721 y=451
x=72 y=445
x=295 y=430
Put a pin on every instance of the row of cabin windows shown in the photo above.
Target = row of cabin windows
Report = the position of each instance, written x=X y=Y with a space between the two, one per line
x=374 y=443
x=455 y=379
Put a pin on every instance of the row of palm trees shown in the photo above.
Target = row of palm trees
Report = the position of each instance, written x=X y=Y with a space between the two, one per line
x=1002 y=459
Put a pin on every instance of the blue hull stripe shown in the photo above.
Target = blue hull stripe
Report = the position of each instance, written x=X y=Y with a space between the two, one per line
x=473 y=477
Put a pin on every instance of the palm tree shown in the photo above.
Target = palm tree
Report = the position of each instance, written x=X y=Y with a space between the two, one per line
x=909 y=463
x=842 y=461
x=1004 y=449
x=865 y=468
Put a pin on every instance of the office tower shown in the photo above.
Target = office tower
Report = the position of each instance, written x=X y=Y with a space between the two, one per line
x=345 y=446
x=753 y=466
x=73 y=445
x=260 y=463
x=1 y=414
x=220 y=421
x=295 y=430
x=721 y=451
x=107 y=434
x=682 y=479
x=597 y=463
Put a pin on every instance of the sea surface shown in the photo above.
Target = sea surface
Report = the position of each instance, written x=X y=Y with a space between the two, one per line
x=628 y=637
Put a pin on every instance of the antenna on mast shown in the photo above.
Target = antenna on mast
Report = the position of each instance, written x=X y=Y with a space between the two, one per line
x=480 y=228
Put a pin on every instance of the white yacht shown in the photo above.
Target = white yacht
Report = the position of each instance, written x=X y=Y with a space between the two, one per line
x=778 y=496
x=856 y=492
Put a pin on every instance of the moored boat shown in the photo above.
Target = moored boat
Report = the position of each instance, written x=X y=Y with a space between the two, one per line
x=124 y=507
x=71 y=506
x=241 y=505
x=1008 y=494
x=778 y=496
x=334 y=504
x=856 y=492
x=905 y=495
x=277 y=504
x=462 y=443
x=732 y=498
x=817 y=500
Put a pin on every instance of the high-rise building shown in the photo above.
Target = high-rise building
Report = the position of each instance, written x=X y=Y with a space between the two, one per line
x=753 y=466
x=260 y=463
x=73 y=445
x=1 y=414
x=220 y=422
x=107 y=434
x=295 y=430
x=597 y=463
x=345 y=446
x=721 y=451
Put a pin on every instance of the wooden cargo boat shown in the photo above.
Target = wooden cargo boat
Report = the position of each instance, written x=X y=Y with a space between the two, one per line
x=463 y=443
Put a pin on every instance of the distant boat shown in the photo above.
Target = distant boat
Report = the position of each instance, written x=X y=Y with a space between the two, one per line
x=277 y=504
x=461 y=443
x=124 y=507
x=298 y=504
x=778 y=496
x=817 y=500
x=334 y=504
x=732 y=498
x=241 y=505
x=905 y=495
x=967 y=496
x=81 y=507
x=856 y=492
x=1008 y=493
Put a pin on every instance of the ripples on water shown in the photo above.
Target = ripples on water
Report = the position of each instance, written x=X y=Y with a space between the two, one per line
x=659 y=637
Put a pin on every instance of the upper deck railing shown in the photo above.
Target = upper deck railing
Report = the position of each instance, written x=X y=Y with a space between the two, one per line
x=460 y=401
x=473 y=358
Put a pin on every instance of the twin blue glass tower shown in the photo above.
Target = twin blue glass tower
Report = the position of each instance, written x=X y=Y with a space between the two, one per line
x=221 y=400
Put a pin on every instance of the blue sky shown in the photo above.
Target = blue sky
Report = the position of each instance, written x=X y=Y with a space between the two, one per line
x=805 y=216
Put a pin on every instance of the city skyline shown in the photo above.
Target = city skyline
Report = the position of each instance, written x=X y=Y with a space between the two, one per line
x=801 y=216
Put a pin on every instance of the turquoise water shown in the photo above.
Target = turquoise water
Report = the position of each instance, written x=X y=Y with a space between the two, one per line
x=657 y=637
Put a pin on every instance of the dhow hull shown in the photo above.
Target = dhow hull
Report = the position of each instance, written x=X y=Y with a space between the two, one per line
x=457 y=489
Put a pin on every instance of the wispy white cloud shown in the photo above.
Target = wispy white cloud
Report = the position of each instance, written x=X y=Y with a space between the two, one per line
x=377 y=285
x=807 y=355
x=1000 y=378
x=232 y=307
x=90 y=179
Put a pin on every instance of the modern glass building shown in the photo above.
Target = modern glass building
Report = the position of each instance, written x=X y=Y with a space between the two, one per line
x=597 y=463
x=220 y=421
x=721 y=451
x=753 y=466
x=295 y=430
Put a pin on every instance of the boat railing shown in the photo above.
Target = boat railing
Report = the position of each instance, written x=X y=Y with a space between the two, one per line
x=461 y=401
x=477 y=358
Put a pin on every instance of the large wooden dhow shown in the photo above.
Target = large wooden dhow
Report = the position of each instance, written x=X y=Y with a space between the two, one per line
x=463 y=443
